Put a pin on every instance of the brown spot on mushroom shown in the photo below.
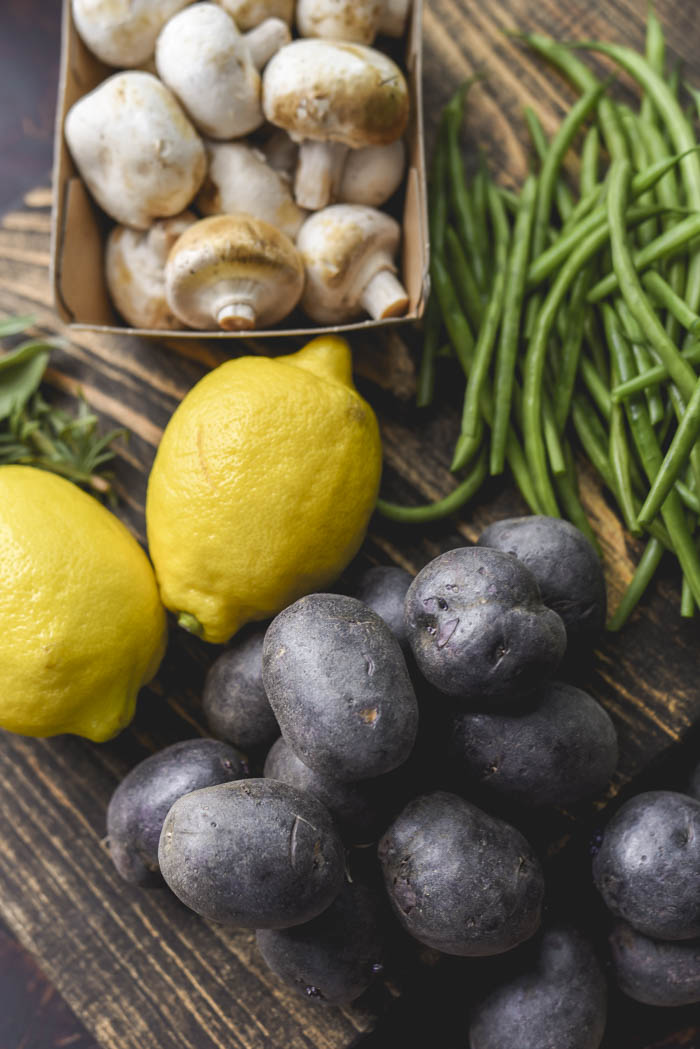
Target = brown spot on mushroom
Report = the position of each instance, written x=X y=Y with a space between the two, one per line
x=369 y=715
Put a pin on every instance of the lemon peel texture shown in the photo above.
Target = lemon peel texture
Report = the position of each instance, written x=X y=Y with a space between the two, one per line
x=262 y=487
x=81 y=624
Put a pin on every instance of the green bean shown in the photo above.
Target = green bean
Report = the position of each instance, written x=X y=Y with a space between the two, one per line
x=534 y=366
x=480 y=194
x=664 y=295
x=456 y=323
x=630 y=286
x=552 y=162
x=679 y=129
x=464 y=280
x=510 y=199
x=665 y=245
x=486 y=339
x=655 y=53
x=595 y=386
x=599 y=353
x=442 y=507
x=687 y=600
x=655 y=375
x=594 y=448
x=640 y=159
x=565 y=204
x=688 y=498
x=646 y=441
x=675 y=459
x=588 y=183
x=642 y=359
x=567 y=490
x=619 y=452
x=571 y=349
x=459 y=194
x=583 y=79
x=644 y=573
x=551 y=438
x=432 y=329
x=510 y=327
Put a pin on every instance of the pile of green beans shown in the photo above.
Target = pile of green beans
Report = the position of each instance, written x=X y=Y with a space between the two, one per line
x=574 y=314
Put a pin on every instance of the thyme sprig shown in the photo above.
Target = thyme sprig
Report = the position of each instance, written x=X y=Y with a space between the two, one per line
x=35 y=433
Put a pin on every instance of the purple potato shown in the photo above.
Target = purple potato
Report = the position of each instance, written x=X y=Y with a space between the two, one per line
x=333 y=958
x=235 y=705
x=383 y=588
x=557 y=752
x=655 y=972
x=460 y=880
x=564 y=563
x=556 y=1000
x=258 y=854
x=354 y=806
x=478 y=628
x=141 y=802
x=648 y=866
x=337 y=681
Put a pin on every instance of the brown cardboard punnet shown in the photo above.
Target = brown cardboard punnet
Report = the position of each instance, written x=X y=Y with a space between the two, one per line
x=79 y=227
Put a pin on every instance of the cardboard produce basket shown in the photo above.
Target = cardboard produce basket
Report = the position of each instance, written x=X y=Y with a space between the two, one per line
x=80 y=227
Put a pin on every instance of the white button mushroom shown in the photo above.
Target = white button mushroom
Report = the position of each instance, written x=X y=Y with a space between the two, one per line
x=370 y=176
x=329 y=95
x=123 y=32
x=249 y=13
x=233 y=272
x=352 y=20
x=348 y=251
x=240 y=180
x=213 y=68
x=135 y=268
x=136 y=150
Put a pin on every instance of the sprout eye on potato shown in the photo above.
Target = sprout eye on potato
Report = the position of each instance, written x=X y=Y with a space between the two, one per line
x=478 y=628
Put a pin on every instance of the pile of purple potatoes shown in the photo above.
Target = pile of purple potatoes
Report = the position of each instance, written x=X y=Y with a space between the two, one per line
x=373 y=721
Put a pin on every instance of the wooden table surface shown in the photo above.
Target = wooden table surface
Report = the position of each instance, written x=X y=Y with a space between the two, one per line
x=136 y=968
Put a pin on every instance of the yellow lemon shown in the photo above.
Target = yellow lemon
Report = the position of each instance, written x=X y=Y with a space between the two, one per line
x=81 y=624
x=262 y=487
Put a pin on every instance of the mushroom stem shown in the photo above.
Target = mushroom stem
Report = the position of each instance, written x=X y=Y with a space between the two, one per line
x=236 y=316
x=392 y=17
x=318 y=173
x=266 y=39
x=384 y=296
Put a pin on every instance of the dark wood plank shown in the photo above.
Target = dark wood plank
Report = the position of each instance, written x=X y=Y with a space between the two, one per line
x=136 y=967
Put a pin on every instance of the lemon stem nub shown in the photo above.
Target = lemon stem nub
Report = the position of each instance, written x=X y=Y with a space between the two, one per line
x=190 y=623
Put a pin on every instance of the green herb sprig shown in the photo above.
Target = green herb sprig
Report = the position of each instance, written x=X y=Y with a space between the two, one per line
x=35 y=433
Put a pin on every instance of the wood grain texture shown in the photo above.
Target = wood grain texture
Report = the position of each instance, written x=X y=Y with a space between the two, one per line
x=138 y=969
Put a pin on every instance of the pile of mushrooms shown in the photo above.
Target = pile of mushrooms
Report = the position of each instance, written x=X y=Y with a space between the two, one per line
x=244 y=170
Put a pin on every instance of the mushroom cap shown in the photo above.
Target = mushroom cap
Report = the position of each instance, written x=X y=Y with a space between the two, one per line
x=240 y=180
x=123 y=32
x=135 y=149
x=135 y=269
x=343 y=247
x=249 y=13
x=372 y=175
x=326 y=89
x=350 y=20
x=205 y=61
x=225 y=261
